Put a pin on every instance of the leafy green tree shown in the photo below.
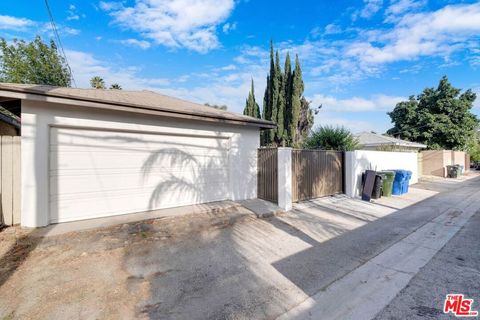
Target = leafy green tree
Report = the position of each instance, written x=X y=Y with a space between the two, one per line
x=115 y=86
x=251 y=106
x=305 y=122
x=473 y=147
x=97 y=83
x=438 y=117
x=331 y=138
x=33 y=62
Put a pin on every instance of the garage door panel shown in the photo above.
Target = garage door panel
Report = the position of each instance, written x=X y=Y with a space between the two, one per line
x=145 y=161
x=99 y=182
x=115 y=139
x=169 y=186
x=95 y=173
x=75 y=209
x=133 y=159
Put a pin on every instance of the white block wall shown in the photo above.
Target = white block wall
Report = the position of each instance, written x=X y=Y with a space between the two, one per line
x=356 y=162
x=284 y=166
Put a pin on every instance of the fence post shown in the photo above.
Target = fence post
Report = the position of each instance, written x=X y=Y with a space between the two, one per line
x=284 y=180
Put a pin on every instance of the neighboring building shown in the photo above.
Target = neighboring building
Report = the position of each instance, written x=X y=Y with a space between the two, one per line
x=89 y=153
x=435 y=162
x=375 y=141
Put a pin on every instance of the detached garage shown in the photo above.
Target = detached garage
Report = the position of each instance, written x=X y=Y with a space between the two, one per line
x=89 y=153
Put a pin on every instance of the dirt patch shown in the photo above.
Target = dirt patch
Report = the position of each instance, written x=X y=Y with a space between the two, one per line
x=82 y=274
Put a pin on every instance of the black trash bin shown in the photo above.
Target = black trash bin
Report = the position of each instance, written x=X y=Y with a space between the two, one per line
x=377 y=187
x=452 y=171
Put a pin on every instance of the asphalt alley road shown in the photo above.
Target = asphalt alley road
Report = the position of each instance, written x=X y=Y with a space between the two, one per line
x=454 y=269
x=411 y=277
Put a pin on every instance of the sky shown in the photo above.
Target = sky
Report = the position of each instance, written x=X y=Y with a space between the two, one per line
x=359 y=58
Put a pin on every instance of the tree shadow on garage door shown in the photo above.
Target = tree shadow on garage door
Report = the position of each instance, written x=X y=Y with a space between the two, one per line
x=184 y=178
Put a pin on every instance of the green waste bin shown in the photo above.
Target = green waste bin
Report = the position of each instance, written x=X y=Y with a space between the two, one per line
x=387 y=184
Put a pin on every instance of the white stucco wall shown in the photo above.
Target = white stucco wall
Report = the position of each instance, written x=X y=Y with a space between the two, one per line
x=356 y=162
x=284 y=179
x=38 y=117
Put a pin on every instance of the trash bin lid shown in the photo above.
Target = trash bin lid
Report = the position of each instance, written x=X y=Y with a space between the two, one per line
x=382 y=175
x=388 y=173
x=400 y=174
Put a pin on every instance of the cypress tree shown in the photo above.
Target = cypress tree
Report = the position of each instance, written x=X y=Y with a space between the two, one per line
x=297 y=93
x=268 y=103
x=280 y=105
x=256 y=107
x=265 y=112
x=251 y=106
x=288 y=98
x=275 y=87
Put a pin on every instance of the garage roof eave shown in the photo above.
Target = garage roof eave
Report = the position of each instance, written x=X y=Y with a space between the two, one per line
x=155 y=104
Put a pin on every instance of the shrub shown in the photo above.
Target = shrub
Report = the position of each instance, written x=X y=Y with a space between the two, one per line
x=331 y=138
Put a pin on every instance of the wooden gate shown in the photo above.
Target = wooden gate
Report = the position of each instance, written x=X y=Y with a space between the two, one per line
x=10 y=170
x=267 y=174
x=316 y=173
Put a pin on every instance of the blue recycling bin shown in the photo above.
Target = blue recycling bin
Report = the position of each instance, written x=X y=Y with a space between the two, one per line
x=399 y=182
x=407 y=181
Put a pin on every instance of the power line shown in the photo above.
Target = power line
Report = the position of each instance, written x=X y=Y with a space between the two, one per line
x=57 y=36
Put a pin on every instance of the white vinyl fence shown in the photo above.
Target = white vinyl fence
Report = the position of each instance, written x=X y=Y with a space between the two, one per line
x=356 y=162
x=10 y=162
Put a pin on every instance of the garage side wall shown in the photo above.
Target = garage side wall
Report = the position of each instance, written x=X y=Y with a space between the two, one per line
x=356 y=162
x=39 y=117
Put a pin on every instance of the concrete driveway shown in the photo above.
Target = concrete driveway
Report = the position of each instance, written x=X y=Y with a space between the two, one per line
x=224 y=265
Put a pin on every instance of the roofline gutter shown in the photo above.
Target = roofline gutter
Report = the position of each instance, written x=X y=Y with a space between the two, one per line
x=394 y=144
x=54 y=98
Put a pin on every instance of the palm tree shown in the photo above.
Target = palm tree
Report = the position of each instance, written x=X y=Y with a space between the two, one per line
x=97 y=83
x=115 y=86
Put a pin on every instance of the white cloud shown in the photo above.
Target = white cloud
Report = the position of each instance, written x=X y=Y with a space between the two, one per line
x=107 y=6
x=398 y=7
x=73 y=13
x=73 y=17
x=476 y=103
x=15 y=24
x=370 y=9
x=355 y=126
x=379 y=102
x=228 y=27
x=176 y=23
x=85 y=66
x=24 y=25
x=62 y=30
x=142 y=44
x=332 y=29
x=229 y=67
x=438 y=33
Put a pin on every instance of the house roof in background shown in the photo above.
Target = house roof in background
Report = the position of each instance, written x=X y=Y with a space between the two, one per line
x=375 y=139
x=134 y=101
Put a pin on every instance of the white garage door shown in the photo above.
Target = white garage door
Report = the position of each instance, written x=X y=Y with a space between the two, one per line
x=97 y=173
